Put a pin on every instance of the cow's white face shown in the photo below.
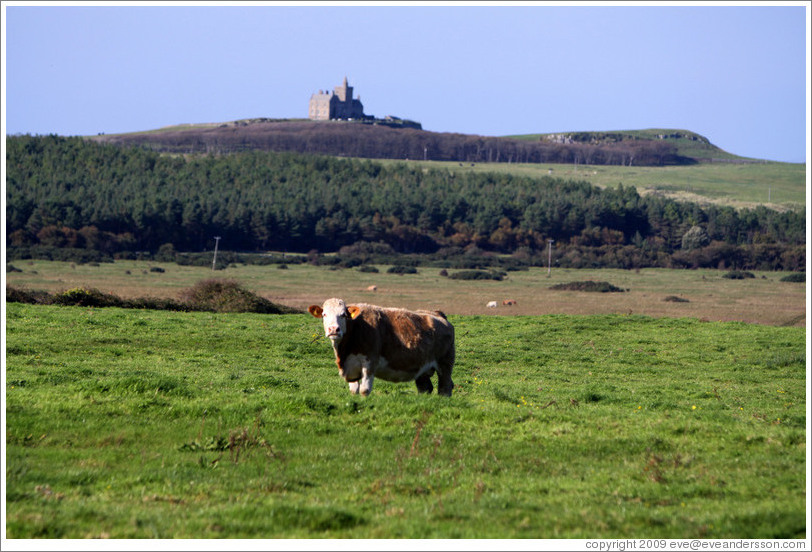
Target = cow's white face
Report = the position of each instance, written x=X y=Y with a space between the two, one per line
x=334 y=315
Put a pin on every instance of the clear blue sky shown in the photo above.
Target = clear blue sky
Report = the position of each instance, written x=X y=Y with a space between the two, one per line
x=733 y=73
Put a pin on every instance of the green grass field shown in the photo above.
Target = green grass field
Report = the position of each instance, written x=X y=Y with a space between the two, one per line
x=128 y=424
x=777 y=185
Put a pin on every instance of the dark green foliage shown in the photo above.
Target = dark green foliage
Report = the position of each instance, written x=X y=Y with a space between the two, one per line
x=738 y=275
x=797 y=277
x=600 y=287
x=477 y=275
x=401 y=269
x=675 y=299
x=70 y=199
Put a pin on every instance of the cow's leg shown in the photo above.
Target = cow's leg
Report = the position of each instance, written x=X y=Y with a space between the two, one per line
x=367 y=376
x=424 y=384
x=444 y=367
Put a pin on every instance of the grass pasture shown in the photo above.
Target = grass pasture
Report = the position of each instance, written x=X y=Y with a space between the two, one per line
x=128 y=424
x=776 y=185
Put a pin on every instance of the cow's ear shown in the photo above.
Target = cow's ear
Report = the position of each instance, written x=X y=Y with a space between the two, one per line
x=354 y=311
x=315 y=310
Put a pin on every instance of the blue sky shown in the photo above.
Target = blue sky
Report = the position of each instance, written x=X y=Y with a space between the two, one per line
x=735 y=74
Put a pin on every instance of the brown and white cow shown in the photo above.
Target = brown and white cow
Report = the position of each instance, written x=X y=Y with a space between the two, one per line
x=391 y=344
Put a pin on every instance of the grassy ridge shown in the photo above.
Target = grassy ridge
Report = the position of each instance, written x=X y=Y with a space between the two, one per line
x=776 y=185
x=152 y=424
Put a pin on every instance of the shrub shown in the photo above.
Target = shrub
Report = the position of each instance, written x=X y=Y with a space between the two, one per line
x=695 y=238
x=82 y=297
x=367 y=268
x=675 y=299
x=601 y=287
x=477 y=275
x=738 y=275
x=12 y=268
x=400 y=269
x=228 y=296
x=17 y=295
x=157 y=269
x=797 y=277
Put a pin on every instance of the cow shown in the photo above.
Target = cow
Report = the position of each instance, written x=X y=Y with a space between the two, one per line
x=509 y=302
x=491 y=305
x=392 y=344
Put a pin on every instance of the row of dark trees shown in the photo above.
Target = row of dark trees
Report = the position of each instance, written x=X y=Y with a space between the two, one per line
x=71 y=193
x=381 y=142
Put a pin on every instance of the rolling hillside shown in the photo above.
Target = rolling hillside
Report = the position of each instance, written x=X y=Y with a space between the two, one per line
x=654 y=147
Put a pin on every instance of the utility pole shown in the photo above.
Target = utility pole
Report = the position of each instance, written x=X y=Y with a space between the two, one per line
x=549 y=257
x=214 y=260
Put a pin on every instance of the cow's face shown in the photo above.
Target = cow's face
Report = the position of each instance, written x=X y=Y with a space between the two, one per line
x=335 y=316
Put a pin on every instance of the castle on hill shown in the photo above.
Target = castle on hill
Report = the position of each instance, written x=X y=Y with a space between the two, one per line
x=338 y=104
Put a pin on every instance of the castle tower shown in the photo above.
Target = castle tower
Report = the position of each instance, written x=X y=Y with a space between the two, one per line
x=344 y=92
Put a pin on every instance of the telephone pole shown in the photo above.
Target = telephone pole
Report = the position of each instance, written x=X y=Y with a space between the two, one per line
x=214 y=260
x=549 y=257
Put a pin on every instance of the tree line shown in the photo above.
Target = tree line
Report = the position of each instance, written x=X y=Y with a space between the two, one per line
x=69 y=193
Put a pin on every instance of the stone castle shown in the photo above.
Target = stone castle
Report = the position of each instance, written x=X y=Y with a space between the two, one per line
x=338 y=104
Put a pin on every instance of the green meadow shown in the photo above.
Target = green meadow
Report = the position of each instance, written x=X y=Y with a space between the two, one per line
x=142 y=424
x=776 y=185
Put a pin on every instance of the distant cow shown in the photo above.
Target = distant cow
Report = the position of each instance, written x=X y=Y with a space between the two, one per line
x=392 y=344
x=372 y=288
x=509 y=302
x=491 y=305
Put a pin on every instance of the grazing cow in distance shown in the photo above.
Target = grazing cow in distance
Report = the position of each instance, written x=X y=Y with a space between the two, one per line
x=372 y=288
x=392 y=344
x=509 y=302
x=491 y=305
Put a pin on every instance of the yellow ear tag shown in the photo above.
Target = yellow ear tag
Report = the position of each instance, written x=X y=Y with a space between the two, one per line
x=354 y=312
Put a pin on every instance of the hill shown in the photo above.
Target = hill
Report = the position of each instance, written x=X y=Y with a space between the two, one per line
x=382 y=140
x=689 y=144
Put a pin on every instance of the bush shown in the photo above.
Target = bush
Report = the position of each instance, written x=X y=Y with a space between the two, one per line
x=477 y=275
x=797 y=277
x=738 y=275
x=228 y=296
x=675 y=299
x=368 y=268
x=601 y=287
x=17 y=295
x=400 y=269
x=82 y=297
x=208 y=295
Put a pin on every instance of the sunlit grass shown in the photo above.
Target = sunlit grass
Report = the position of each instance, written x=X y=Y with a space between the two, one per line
x=125 y=424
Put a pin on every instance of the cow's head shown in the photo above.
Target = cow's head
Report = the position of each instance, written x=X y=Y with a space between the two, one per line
x=335 y=316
